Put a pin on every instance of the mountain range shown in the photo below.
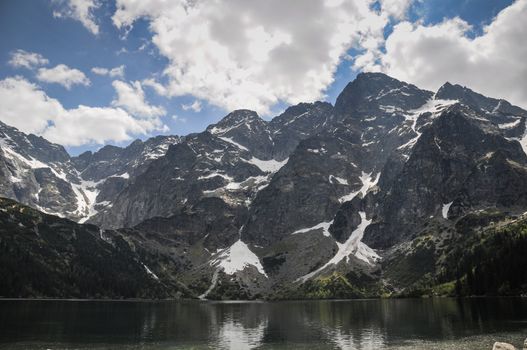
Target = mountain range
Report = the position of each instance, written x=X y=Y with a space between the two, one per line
x=394 y=190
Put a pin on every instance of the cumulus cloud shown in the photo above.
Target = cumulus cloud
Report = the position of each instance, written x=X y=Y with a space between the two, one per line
x=117 y=72
x=84 y=125
x=195 y=106
x=395 y=8
x=492 y=63
x=25 y=106
x=20 y=58
x=80 y=10
x=159 y=88
x=63 y=75
x=132 y=98
x=28 y=108
x=253 y=54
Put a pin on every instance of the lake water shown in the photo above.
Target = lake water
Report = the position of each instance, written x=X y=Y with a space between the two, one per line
x=360 y=324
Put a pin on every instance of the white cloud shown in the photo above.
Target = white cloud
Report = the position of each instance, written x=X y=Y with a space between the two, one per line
x=25 y=106
x=30 y=60
x=80 y=10
x=63 y=75
x=158 y=88
x=28 y=108
x=253 y=54
x=132 y=98
x=179 y=119
x=395 y=8
x=117 y=72
x=492 y=63
x=195 y=106
x=84 y=125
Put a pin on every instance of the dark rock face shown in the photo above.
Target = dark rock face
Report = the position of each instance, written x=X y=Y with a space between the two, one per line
x=305 y=192
x=510 y=119
x=263 y=205
x=458 y=148
x=298 y=123
x=210 y=220
x=201 y=166
x=55 y=193
x=247 y=129
x=113 y=161
x=346 y=218
x=232 y=160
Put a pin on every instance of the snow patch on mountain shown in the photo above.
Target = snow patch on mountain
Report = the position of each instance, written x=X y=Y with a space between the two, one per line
x=11 y=154
x=445 y=209
x=86 y=193
x=213 y=283
x=214 y=174
x=236 y=258
x=149 y=272
x=295 y=118
x=267 y=166
x=323 y=225
x=123 y=175
x=352 y=246
x=367 y=182
x=510 y=125
x=317 y=151
x=341 y=181
x=231 y=141
x=433 y=106
x=160 y=150
x=253 y=180
x=390 y=109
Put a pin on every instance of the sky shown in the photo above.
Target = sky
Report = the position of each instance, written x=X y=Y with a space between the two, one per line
x=85 y=73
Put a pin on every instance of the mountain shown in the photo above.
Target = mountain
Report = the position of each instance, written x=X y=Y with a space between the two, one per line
x=47 y=256
x=368 y=197
x=41 y=174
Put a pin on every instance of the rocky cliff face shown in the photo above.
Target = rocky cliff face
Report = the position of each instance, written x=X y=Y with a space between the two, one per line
x=359 y=193
x=455 y=163
x=43 y=175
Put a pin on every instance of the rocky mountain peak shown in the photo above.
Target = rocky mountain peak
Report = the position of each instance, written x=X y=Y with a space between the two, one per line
x=299 y=115
x=107 y=152
x=373 y=92
x=467 y=96
x=241 y=118
x=246 y=130
x=463 y=94
x=32 y=146
x=297 y=123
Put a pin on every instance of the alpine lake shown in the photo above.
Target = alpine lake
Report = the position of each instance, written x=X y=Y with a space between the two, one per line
x=434 y=323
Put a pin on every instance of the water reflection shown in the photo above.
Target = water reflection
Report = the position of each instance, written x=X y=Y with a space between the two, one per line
x=233 y=335
x=362 y=325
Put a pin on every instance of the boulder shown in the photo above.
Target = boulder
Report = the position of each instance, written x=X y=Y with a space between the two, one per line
x=503 y=346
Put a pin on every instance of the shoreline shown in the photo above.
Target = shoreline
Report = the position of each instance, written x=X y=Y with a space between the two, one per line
x=256 y=301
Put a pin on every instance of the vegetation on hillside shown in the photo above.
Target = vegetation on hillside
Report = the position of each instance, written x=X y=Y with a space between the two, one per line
x=46 y=256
